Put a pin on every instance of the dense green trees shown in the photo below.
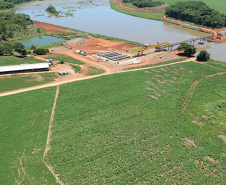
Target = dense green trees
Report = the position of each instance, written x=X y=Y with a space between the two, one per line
x=6 y=4
x=11 y=22
x=41 y=51
x=51 y=9
x=203 y=56
x=144 y=3
x=189 y=50
x=5 y=49
x=197 y=12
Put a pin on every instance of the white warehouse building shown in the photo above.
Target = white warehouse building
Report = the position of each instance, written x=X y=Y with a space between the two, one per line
x=24 y=68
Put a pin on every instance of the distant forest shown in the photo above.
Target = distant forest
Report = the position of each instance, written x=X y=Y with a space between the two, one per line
x=144 y=3
x=6 y=4
x=197 y=12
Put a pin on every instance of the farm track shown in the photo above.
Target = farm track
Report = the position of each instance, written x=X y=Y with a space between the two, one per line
x=47 y=147
x=192 y=89
x=122 y=5
x=53 y=84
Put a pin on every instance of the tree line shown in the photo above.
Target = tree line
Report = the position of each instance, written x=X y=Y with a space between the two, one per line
x=144 y=3
x=197 y=12
x=7 y=4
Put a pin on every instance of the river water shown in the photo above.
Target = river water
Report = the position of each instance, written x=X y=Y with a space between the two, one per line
x=96 y=16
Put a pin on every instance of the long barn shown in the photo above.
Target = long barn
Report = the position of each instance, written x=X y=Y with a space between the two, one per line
x=24 y=68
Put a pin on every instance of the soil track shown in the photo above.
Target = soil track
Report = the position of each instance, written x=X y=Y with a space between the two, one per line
x=50 y=28
x=69 y=80
x=47 y=147
x=121 y=4
x=192 y=89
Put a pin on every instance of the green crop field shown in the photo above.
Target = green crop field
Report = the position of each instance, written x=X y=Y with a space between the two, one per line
x=18 y=81
x=216 y=4
x=24 y=122
x=138 y=127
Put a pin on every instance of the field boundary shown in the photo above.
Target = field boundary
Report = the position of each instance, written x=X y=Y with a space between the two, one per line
x=47 y=147
x=192 y=89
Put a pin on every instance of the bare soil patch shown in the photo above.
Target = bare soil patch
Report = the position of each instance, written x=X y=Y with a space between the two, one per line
x=50 y=28
x=213 y=161
x=223 y=138
x=197 y=123
x=189 y=143
x=121 y=4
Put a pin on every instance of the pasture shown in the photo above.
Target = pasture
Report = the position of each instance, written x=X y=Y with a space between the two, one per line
x=151 y=126
x=24 y=125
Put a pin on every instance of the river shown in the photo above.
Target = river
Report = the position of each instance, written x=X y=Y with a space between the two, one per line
x=96 y=16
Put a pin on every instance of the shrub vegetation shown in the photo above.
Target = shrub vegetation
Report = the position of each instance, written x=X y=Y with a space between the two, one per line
x=144 y=3
x=203 y=56
x=41 y=51
x=7 y=4
x=51 y=9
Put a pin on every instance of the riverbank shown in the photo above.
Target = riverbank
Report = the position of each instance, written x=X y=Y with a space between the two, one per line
x=159 y=15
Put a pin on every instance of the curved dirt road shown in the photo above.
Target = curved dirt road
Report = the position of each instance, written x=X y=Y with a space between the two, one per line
x=121 y=4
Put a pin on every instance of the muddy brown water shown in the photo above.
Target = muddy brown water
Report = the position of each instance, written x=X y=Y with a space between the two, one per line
x=96 y=16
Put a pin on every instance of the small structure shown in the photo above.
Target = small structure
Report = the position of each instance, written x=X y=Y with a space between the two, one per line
x=81 y=53
x=62 y=73
x=24 y=68
x=112 y=56
x=49 y=61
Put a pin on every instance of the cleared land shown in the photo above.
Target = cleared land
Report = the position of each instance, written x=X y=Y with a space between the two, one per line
x=24 y=125
x=133 y=128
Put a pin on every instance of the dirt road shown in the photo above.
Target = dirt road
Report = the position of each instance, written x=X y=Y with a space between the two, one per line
x=52 y=84
x=121 y=4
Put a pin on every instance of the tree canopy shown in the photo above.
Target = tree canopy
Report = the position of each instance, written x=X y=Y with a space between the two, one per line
x=197 y=12
x=189 y=50
x=7 y=4
x=144 y=3
x=51 y=9
x=203 y=56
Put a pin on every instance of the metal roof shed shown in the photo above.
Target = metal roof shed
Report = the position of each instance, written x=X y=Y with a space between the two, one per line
x=24 y=68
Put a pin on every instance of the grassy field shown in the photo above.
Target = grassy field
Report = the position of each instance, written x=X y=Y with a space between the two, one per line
x=13 y=60
x=132 y=128
x=24 y=125
x=65 y=59
x=76 y=68
x=19 y=81
x=94 y=71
